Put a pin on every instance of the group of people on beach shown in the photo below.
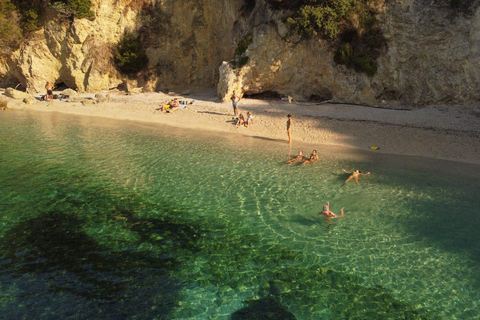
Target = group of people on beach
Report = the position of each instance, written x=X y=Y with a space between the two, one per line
x=173 y=105
x=240 y=119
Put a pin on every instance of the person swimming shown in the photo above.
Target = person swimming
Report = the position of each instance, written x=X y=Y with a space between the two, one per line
x=329 y=214
x=313 y=157
x=355 y=174
x=298 y=157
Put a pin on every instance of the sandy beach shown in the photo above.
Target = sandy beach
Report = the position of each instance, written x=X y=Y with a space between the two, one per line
x=444 y=132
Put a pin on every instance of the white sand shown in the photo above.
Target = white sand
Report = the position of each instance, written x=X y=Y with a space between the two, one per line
x=443 y=132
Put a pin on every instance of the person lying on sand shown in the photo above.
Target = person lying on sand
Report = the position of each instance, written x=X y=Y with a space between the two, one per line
x=329 y=214
x=298 y=157
x=174 y=105
x=313 y=157
x=355 y=174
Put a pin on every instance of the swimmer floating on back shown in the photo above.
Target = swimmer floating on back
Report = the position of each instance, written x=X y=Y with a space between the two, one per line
x=355 y=174
x=298 y=157
x=313 y=157
x=329 y=214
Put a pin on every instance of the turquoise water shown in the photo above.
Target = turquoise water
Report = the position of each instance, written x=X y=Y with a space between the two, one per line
x=120 y=220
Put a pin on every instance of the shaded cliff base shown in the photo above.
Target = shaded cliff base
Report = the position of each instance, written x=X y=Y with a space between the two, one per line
x=444 y=132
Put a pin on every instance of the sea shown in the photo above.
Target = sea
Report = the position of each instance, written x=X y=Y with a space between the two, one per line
x=113 y=219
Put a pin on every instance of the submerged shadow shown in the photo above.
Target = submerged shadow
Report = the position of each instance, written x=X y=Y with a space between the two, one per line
x=306 y=221
x=55 y=248
x=263 y=309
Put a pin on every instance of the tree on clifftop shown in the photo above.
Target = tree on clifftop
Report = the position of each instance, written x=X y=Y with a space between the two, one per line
x=10 y=32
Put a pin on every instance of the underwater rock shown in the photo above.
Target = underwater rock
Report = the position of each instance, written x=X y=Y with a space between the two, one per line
x=263 y=309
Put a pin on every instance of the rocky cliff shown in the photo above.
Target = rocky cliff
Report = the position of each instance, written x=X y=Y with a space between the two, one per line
x=431 y=55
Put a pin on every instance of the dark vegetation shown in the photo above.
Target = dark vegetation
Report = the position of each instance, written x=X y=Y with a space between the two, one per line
x=78 y=8
x=240 y=59
x=129 y=55
x=20 y=17
x=466 y=6
x=10 y=31
x=32 y=10
x=248 y=7
x=351 y=25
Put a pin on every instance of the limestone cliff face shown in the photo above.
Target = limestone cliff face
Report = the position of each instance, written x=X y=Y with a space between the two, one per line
x=76 y=53
x=187 y=41
x=432 y=55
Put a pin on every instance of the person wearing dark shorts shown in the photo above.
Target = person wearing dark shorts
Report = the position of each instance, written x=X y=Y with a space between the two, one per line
x=49 y=87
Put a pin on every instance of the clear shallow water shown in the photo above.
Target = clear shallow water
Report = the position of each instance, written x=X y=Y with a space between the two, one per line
x=115 y=220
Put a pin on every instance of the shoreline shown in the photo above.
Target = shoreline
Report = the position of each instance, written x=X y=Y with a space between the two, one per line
x=440 y=132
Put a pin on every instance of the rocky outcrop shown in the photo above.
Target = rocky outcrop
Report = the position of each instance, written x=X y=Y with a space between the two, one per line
x=432 y=56
x=432 y=53
x=187 y=41
x=16 y=94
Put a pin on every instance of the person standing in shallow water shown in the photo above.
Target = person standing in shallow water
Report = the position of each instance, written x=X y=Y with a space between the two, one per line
x=289 y=128
x=235 y=99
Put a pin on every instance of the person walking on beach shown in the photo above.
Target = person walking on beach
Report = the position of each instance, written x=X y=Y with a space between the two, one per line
x=313 y=157
x=329 y=214
x=235 y=99
x=355 y=174
x=289 y=128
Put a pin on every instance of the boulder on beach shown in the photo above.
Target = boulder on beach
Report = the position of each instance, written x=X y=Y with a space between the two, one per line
x=16 y=94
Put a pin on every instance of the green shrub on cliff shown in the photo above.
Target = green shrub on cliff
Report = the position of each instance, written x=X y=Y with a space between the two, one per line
x=240 y=58
x=320 y=20
x=31 y=10
x=129 y=55
x=79 y=8
x=350 y=25
x=10 y=32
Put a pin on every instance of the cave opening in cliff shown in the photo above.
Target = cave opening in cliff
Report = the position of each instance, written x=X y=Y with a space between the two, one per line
x=61 y=86
x=248 y=7
x=320 y=97
x=265 y=95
